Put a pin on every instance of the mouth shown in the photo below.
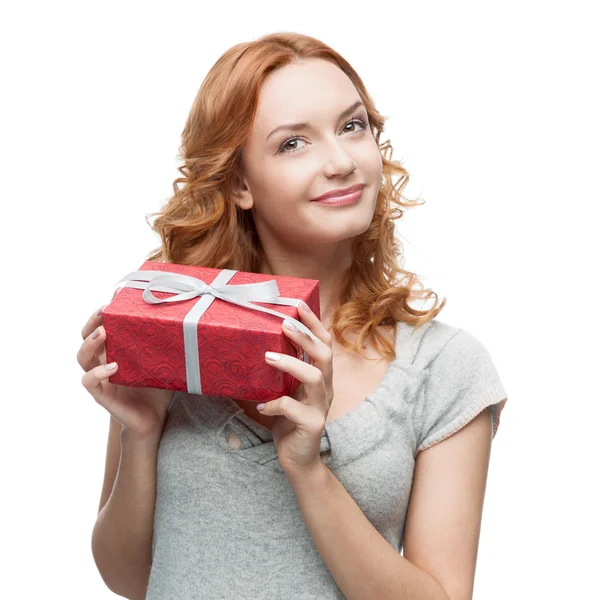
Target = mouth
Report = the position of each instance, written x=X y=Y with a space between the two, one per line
x=342 y=197
x=340 y=192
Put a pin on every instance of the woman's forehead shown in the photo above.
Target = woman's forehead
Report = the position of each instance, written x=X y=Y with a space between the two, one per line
x=311 y=92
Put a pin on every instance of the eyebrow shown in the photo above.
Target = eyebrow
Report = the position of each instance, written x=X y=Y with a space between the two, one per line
x=298 y=126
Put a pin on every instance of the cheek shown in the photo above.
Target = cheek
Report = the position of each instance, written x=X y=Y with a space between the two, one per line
x=290 y=182
x=296 y=175
x=279 y=193
x=372 y=162
x=273 y=185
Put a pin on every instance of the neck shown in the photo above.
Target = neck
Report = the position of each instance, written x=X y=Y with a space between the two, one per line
x=328 y=270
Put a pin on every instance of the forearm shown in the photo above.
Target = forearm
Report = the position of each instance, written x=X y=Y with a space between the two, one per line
x=362 y=562
x=122 y=536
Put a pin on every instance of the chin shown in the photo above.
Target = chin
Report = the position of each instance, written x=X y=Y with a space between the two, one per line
x=332 y=234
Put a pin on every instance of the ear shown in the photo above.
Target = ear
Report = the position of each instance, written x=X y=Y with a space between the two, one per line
x=241 y=192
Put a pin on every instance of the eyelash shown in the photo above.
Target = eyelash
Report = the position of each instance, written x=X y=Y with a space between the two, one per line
x=281 y=148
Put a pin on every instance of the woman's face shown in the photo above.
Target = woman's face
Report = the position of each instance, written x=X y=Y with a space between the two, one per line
x=284 y=170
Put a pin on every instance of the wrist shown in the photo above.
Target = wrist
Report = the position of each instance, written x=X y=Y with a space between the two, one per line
x=150 y=439
x=309 y=477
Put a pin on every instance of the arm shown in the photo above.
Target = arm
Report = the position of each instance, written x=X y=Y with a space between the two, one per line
x=122 y=536
x=442 y=529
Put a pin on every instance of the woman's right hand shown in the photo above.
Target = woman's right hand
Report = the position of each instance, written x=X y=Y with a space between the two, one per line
x=142 y=411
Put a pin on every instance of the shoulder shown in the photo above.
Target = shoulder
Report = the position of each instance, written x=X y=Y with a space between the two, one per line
x=452 y=355
x=460 y=380
x=427 y=342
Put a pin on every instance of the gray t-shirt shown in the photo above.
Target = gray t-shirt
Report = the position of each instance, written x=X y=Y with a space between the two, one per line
x=227 y=524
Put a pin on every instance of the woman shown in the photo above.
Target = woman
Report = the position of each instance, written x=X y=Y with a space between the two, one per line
x=314 y=496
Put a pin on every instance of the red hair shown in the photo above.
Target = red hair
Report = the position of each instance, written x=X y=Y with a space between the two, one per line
x=201 y=225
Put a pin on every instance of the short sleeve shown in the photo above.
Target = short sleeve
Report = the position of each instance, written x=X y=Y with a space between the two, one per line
x=462 y=381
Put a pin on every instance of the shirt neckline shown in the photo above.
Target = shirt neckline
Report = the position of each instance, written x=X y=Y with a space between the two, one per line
x=257 y=440
x=337 y=422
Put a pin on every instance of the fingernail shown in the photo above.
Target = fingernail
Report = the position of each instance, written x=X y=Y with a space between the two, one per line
x=260 y=407
x=110 y=366
x=304 y=306
x=96 y=333
x=290 y=325
x=101 y=309
x=272 y=356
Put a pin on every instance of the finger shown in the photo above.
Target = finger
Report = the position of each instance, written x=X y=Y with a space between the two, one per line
x=307 y=418
x=308 y=318
x=310 y=376
x=93 y=380
x=92 y=323
x=321 y=354
x=318 y=350
x=87 y=354
x=96 y=318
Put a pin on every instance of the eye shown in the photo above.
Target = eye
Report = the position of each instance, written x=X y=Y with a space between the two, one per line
x=357 y=121
x=284 y=150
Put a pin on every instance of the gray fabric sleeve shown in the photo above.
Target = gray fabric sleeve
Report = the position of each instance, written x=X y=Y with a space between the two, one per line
x=462 y=381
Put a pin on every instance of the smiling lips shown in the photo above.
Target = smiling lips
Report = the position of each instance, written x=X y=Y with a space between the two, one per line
x=343 y=196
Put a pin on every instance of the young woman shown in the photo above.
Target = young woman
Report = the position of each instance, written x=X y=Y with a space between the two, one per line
x=370 y=481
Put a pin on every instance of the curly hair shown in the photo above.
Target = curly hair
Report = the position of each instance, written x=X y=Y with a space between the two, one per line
x=201 y=225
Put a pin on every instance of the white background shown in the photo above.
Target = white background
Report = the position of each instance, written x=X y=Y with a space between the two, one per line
x=493 y=109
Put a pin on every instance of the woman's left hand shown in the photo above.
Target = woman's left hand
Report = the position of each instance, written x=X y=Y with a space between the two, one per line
x=299 y=423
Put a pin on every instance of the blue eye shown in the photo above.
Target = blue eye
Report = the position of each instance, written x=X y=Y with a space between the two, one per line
x=283 y=150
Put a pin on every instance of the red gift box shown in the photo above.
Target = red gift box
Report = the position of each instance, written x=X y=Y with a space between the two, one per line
x=147 y=339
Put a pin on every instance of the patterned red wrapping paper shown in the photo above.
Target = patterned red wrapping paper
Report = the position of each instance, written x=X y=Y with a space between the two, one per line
x=146 y=340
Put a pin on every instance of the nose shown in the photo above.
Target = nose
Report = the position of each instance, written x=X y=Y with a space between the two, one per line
x=339 y=162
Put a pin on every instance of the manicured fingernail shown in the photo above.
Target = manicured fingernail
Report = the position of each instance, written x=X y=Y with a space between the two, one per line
x=304 y=306
x=110 y=366
x=290 y=325
x=96 y=334
x=260 y=407
x=272 y=356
